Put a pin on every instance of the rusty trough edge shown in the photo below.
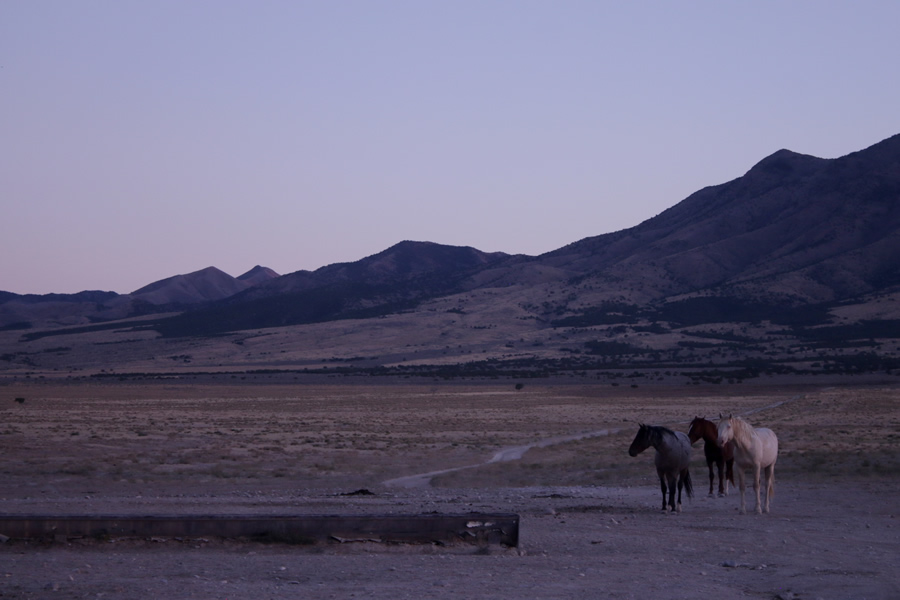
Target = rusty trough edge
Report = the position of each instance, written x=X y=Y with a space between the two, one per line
x=472 y=528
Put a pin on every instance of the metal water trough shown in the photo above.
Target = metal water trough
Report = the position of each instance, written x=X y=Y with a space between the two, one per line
x=471 y=528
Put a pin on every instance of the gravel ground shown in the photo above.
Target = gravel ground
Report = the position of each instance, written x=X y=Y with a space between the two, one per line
x=819 y=541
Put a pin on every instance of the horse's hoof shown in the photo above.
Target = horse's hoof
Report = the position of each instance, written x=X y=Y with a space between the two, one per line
x=722 y=494
x=711 y=495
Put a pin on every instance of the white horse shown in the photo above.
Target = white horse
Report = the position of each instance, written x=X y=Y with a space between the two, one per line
x=753 y=448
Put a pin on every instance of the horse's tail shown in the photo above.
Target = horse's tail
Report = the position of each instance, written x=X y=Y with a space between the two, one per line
x=688 y=486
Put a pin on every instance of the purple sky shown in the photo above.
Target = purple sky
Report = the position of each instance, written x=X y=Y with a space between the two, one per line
x=144 y=139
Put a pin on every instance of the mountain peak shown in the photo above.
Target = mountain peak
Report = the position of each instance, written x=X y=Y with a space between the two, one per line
x=199 y=286
x=258 y=274
x=785 y=163
x=409 y=258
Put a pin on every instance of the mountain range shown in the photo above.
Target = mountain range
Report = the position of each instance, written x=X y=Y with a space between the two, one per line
x=793 y=264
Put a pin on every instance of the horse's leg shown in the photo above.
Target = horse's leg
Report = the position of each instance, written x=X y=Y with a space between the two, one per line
x=680 y=485
x=712 y=476
x=729 y=474
x=662 y=484
x=740 y=473
x=756 y=472
x=672 y=477
x=720 y=466
x=770 y=484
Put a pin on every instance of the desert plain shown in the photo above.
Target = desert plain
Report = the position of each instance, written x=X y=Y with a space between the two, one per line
x=553 y=452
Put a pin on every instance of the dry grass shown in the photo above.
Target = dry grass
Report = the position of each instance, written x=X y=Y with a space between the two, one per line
x=306 y=436
x=590 y=513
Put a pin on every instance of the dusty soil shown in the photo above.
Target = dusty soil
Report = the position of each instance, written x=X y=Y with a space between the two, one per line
x=590 y=520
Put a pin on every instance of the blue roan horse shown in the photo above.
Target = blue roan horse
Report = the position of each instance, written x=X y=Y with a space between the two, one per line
x=673 y=456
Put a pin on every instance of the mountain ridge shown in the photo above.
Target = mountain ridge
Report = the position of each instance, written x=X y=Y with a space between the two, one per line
x=674 y=225
x=798 y=241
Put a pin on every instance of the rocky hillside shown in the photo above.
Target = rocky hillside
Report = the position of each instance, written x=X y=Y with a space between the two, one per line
x=206 y=285
x=794 y=229
x=166 y=295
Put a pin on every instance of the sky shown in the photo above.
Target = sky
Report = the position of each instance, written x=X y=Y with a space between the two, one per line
x=141 y=140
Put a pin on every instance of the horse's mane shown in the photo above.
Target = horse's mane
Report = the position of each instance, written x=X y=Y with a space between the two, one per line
x=743 y=431
x=702 y=421
x=702 y=428
x=660 y=430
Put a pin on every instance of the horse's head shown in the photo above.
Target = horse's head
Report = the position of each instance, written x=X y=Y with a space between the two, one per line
x=725 y=431
x=641 y=441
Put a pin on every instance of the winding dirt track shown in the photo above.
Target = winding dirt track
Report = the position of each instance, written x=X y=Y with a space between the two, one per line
x=504 y=455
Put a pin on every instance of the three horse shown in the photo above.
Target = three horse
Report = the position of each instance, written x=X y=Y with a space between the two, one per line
x=755 y=449
x=673 y=457
x=722 y=457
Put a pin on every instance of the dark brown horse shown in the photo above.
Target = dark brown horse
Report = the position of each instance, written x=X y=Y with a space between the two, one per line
x=722 y=457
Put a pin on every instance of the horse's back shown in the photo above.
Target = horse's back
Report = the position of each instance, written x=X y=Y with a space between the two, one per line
x=685 y=447
x=768 y=446
x=674 y=453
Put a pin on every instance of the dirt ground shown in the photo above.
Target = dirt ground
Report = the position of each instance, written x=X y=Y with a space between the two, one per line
x=556 y=454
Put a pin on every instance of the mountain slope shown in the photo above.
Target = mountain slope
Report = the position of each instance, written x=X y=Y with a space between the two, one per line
x=795 y=228
x=204 y=285
x=402 y=262
x=395 y=279
x=257 y=275
x=791 y=268
x=173 y=293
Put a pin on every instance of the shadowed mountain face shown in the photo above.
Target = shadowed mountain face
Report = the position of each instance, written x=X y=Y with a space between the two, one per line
x=396 y=279
x=257 y=275
x=796 y=242
x=201 y=286
x=794 y=229
x=400 y=264
x=206 y=285
x=170 y=294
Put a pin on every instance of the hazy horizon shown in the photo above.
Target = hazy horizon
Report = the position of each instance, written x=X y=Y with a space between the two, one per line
x=146 y=140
